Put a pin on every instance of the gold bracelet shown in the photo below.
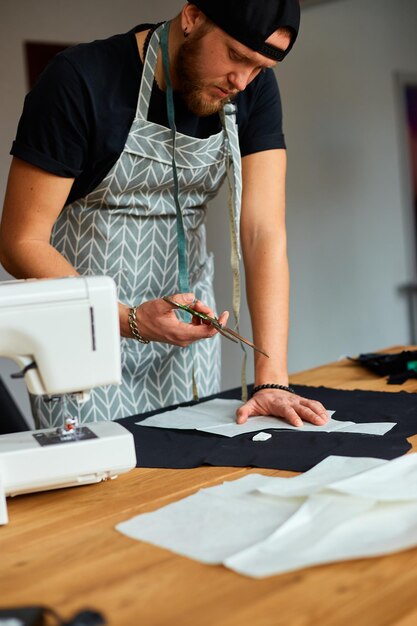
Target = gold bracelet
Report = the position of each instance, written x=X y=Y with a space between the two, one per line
x=134 y=326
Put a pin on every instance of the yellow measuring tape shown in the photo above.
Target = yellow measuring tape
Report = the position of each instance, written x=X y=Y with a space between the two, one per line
x=234 y=179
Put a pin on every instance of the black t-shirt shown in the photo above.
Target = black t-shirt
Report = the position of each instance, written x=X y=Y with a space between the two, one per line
x=76 y=119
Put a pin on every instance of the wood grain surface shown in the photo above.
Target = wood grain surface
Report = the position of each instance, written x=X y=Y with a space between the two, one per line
x=61 y=549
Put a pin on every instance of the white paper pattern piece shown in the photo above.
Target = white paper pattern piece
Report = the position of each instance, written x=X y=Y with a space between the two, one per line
x=218 y=417
x=212 y=412
x=344 y=508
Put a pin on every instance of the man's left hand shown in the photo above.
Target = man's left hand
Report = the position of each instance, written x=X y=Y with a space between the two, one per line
x=289 y=406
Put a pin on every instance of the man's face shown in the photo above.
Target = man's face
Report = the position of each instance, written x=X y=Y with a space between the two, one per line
x=212 y=67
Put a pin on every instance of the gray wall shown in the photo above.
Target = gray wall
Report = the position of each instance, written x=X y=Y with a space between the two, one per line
x=348 y=218
x=349 y=222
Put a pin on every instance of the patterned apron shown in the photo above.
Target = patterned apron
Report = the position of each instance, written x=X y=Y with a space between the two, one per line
x=126 y=228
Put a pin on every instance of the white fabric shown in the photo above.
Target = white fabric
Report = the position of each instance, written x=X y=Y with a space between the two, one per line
x=343 y=508
x=333 y=469
x=214 y=523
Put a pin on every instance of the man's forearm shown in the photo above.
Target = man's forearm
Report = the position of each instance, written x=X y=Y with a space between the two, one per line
x=267 y=287
x=34 y=259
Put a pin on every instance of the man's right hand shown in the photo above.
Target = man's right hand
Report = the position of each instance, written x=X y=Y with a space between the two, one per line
x=157 y=321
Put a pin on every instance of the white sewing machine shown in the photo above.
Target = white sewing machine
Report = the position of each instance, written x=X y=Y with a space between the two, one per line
x=64 y=335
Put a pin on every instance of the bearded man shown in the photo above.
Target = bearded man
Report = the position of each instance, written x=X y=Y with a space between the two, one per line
x=121 y=144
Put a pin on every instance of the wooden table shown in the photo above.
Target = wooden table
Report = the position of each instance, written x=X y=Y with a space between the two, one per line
x=61 y=549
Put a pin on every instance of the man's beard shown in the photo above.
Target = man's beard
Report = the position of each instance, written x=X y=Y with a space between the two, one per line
x=190 y=87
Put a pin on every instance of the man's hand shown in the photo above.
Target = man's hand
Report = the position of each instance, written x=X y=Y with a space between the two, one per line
x=284 y=404
x=157 y=321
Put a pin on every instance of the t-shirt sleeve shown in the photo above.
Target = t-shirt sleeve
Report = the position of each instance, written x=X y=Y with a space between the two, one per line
x=260 y=124
x=56 y=121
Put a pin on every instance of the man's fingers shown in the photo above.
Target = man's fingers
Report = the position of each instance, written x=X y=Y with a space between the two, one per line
x=185 y=333
x=183 y=298
x=190 y=300
x=294 y=409
x=162 y=321
x=203 y=308
x=292 y=417
x=223 y=318
x=316 y=407
x=243 y=413
x=289 y=414
x=308 y=415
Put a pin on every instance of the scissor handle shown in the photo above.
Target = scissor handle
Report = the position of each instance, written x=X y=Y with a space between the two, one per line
x=188 y=309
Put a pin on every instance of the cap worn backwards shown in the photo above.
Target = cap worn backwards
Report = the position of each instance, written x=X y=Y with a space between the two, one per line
x=252 y=21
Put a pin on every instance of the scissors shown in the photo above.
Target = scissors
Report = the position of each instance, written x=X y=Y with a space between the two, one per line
x=223 y=330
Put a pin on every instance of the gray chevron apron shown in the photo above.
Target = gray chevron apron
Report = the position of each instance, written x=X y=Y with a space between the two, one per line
x=126 y=228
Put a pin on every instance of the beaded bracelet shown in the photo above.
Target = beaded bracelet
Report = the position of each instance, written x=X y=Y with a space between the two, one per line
x=134 y=326
x=272 y=386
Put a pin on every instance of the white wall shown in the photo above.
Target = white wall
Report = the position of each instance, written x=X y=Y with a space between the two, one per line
x=348 y=221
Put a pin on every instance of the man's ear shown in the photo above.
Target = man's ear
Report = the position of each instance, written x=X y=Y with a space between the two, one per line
x=191 y=17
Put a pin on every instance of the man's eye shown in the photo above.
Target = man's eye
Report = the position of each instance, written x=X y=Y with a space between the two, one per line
x=234 y=56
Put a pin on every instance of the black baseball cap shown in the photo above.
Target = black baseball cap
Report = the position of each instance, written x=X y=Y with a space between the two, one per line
x=252 y=21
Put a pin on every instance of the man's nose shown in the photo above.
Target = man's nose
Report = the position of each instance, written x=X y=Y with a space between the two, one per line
x=239 y=79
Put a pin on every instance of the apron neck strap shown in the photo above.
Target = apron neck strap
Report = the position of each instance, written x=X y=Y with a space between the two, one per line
x=146 y=83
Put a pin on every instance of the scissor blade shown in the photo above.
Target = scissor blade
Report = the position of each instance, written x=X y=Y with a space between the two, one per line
x=243 y=340
x=223 y=330
x=219 y=328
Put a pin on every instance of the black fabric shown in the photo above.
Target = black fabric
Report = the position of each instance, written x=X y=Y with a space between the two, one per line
x=399 y=379
x=252 y=21
x=169 y=448
x=77 y=117
x=399 y=366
